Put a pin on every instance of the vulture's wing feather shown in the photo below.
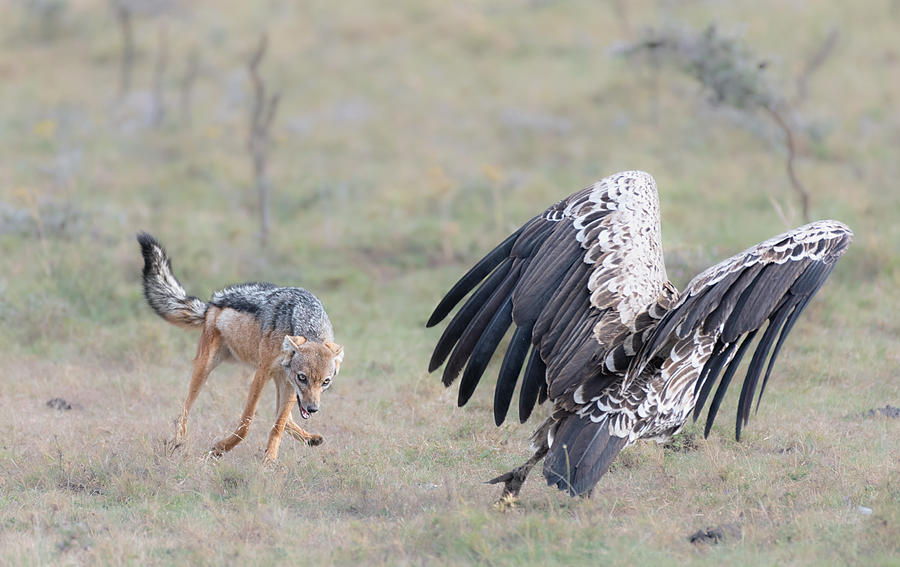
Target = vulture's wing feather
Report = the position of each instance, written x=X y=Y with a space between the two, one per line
x=730 y=302
x=472 y=277
x=573 y=280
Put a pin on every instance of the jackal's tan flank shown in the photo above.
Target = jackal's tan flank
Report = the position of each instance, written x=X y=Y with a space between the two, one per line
x=283 y=332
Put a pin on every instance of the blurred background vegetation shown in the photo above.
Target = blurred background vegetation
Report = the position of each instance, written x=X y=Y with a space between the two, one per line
x=407 y=138
x=414 y=135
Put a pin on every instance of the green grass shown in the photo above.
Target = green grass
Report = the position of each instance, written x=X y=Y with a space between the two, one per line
x=411 y=138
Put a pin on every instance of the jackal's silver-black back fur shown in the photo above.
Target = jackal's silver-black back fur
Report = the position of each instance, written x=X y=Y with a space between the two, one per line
x=286 y=310
x=162 y=289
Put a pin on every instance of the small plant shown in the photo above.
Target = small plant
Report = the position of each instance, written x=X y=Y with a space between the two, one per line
x=732 y=75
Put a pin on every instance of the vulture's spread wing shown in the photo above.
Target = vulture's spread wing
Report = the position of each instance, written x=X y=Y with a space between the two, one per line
x=574 y=281
x=724 y=308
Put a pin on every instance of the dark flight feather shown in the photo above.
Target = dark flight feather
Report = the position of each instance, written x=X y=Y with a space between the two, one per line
x=509 y=372
x=723 y=383
x=476 y=327
x=484 y=350
x=721 y=353
x=532 y=381
x=464 y=316
x=468 y=282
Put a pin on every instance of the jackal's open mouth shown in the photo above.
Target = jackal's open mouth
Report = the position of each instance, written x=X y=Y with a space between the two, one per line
x=303 y=413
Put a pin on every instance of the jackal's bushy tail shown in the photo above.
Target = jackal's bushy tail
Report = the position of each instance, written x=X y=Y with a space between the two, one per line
x=163 y=290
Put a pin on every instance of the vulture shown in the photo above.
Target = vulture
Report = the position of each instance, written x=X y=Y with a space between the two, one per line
x=604 y=335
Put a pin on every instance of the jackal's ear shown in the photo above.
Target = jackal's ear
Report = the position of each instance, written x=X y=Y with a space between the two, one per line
x=292 y=343
x=338 y=351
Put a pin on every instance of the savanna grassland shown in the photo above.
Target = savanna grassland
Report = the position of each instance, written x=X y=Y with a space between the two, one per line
x=409 y=139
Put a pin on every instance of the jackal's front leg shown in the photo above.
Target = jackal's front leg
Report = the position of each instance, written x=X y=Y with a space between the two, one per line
x=286 y=397
x=301 y=434
x=284 y=404
x=256 y=387
x=295 y=431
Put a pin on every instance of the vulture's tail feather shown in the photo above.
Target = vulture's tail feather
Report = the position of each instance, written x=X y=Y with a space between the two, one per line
x=581 y=453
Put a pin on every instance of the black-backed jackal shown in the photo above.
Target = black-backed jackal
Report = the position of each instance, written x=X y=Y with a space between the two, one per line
x=283 y=332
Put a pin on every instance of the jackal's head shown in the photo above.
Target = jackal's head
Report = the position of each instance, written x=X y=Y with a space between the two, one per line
x=310 y=369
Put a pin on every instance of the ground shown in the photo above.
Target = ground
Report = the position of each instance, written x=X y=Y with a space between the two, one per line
x=410 y=138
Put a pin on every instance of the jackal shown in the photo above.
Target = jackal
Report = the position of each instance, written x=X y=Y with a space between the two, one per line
x=283 y=332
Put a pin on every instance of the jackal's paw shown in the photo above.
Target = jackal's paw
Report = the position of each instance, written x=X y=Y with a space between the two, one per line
x=213 y=454
x=270 y=463
x=315 y=440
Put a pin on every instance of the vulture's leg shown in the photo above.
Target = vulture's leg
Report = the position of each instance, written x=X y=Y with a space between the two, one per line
x=514 y=479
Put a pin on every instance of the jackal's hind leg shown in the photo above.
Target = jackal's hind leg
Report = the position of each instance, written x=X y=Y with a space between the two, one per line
x=209 y=355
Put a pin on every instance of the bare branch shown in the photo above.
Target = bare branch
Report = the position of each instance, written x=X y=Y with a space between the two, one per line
x=814 y=63
x=257 y=56
x=791 y=154
x=261 y=117
x=159 y=71
x=123 y=15
x=259 y=88
x=187 y=84
x=780 y=212
x=731 y=74
x=620 y=7
x=272 y=108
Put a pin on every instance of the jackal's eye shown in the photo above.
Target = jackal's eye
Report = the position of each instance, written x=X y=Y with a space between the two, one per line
x=326 y=382
x=301 y=377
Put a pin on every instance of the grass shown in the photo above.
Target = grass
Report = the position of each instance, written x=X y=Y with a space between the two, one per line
x=410 y=139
